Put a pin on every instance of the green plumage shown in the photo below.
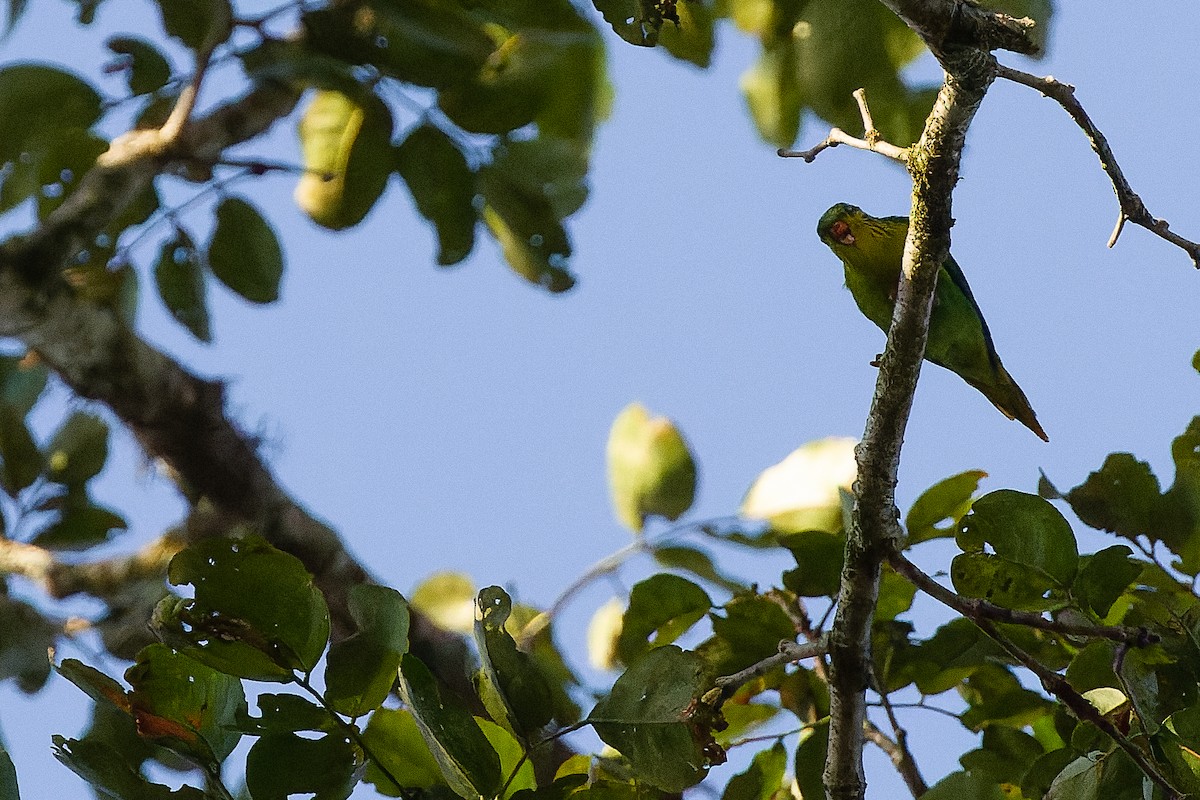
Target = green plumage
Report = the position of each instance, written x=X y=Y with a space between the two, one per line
x=872 y=251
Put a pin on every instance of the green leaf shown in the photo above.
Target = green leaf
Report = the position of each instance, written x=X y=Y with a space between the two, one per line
x=25 y=637
x=37 y=101
x=432 y=43
x=525 y=216
x=284 y=713
x=110 y=775
x=957 y=650
x=1005 y=756
x=22 y=381
x=294 y=63
x=965 y=786
x=696 y=561
x=361 y=669
x=8 y=772
x=762 y=779
x=947 y=501
x=636 y=21
x=526 y=701
x=651 y=471
x=648 y=717
x=804 y=491
x=394 y=738
x=244 y=252
x=819 y=557
x=200 y=24
x=896 y=595
x=691 y=38
x=809 y=764
x=22 y=460
x=185 y=705
x=512 y=758
x=448 y=599
x=1026 y=530
x=146 y=68
x=347 y=144
x=1104 y=577
x=467 y=760
x=442 y=187
x=751 y=630
x=78 y=450
x=1122 y=497
x=80 y=523
x=256 y=613
x=996 y=697
x=665 y=605
x=179 y=275
x=1002 y=582
x=1177 y=742
x=98 y=686
x=283 y=764
x=773 y=95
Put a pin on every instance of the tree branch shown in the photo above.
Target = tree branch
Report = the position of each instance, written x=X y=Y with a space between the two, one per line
x=788 y=652
x=948 y=25
x=872 y=139
x=1132 y=209
x=897 y=750
x=934 y=166
x=976 y=609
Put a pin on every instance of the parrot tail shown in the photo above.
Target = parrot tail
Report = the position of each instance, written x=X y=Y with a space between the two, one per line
x=1007 y=396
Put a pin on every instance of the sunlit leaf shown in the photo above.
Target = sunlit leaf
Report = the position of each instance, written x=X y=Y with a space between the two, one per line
x=244 y=252
x=513 y=761
x=467 y=760
x=448 y=599
x=603 y=634
x=651 y=471
x=347 y=144
x=394 y=738
x=945 y=502
x=804 y=491
x=524 y=692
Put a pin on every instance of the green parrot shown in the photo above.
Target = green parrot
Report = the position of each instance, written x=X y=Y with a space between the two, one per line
x=872 y=250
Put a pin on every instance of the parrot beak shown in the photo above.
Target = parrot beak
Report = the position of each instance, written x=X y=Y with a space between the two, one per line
x=841 y=233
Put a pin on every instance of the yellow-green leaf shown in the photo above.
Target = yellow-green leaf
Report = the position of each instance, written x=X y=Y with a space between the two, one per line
x=651 y=471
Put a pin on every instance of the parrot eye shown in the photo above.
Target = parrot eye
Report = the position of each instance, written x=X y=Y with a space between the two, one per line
x=841 y=233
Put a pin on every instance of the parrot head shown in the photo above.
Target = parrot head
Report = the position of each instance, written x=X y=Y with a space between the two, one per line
x=838 y=225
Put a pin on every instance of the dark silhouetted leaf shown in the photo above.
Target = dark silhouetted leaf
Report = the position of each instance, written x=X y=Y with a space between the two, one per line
x=22 y=460
x=8 y=772
x=361 y=669
x=22 y=381
x=965 y=786
x=25 y=636
x=256 y=613
x=283 y=764
x=1104 y=576
x=810 y=758
x=244 y=252
x=78 y=450
x=284 y=713
x=751 y=630
x=665 y=605
x=111 y=776
x=80 y=524
x=648 y=718
x=442 y=187
x=818 y=555
x=36 y=102
x=146 y=68
x=179 y=275
x=200 y=24
x=696 y=561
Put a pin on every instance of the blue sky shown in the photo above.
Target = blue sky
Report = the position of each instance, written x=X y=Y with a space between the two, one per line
x=457 y=419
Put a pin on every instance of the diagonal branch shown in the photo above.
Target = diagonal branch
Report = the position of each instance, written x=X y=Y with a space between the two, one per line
x=1132 y=209
x=947 y=25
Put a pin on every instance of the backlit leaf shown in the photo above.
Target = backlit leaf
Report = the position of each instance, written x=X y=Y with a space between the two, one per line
x=665 y=605
x=651 y=471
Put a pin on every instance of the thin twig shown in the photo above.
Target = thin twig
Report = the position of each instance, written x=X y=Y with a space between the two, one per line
x=1131 y=206
x=901 y=757
x=975 y=609
x=788 y=652
x=925 y=706
x=872 y=139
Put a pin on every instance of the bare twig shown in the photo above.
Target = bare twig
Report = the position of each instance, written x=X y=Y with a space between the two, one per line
x=872 y=139
x=788 y=652
x=975 y=609
x=1132 y=208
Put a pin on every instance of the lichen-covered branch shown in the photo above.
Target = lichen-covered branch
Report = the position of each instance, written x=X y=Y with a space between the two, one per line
x=974 y=608
x=934 y=166
x=948 y=25
x=1132 y=209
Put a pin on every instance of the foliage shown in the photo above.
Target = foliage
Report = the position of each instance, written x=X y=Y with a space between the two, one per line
x=510 y=94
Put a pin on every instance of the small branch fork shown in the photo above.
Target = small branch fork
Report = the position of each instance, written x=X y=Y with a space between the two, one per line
x=1132 y=209
x=789 y=651
x=872 y=139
